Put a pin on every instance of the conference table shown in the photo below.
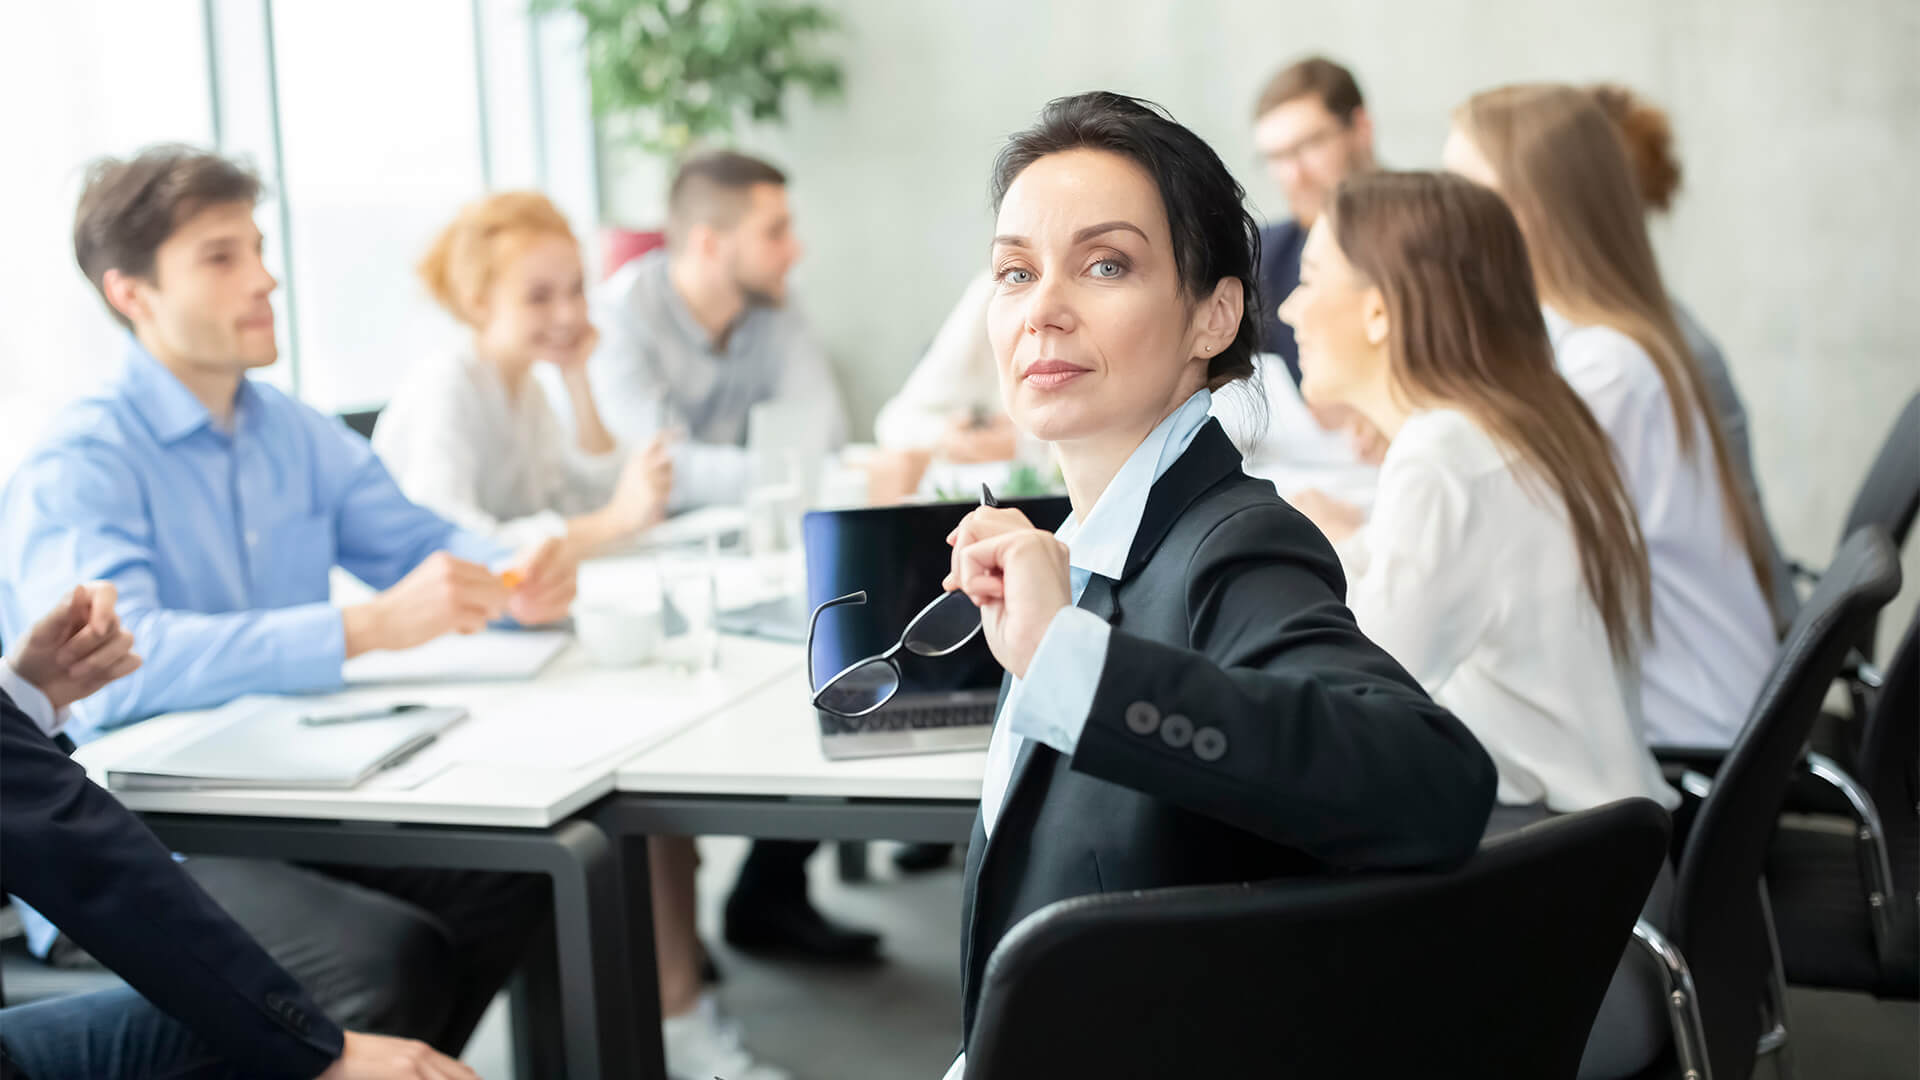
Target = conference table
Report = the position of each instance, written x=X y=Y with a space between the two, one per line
x=565 y=775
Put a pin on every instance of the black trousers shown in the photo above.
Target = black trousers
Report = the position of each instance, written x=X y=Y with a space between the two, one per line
x=394 y=951
x=775 y=872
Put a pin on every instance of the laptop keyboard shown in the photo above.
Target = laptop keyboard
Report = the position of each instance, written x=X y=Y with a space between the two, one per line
x=910 y=718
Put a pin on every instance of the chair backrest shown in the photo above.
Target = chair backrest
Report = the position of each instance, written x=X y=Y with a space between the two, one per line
x=1494 y=969
x=1717 y=920
x=361 y=422
x=1890 y=495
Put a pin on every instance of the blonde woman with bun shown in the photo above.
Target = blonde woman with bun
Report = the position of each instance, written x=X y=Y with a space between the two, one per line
x=1647 y=137
x=471 y=435
x=1557 y=160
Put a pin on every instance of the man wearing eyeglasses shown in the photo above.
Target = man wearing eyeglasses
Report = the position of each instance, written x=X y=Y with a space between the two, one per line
x=1311 y=129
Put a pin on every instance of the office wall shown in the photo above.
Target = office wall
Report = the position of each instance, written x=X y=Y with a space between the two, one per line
x=1799 y=125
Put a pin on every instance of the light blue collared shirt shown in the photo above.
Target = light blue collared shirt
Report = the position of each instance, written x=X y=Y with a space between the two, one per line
x=1052 y=704
x=220 y=543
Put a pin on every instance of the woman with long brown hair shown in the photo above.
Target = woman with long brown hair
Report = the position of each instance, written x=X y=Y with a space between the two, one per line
x=1557 y=161
x=1502 y=566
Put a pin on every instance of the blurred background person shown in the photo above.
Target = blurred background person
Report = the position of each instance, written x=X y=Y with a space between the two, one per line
x=470 y=434
x=1647 y=137
x=1554 y=156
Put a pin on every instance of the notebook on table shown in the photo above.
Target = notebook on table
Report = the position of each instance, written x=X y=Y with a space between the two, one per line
x=488 y=656
x=269 y=742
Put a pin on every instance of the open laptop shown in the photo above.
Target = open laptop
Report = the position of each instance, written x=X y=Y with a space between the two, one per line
x=899 y=556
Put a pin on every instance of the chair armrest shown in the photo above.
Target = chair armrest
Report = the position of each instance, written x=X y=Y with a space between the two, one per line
x=1876 y=868
x=1861 y=670
x=1683 y=1004
x=1675 y=761
x=1707 y=759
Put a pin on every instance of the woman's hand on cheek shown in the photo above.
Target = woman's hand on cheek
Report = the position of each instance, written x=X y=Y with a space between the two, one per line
x=986 y=522
x=1020 y=581
x=572 y=360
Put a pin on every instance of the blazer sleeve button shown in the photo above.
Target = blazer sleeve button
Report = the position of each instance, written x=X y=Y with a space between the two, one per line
x=1143 y=718
x=1176 y=731
x=1209 y=744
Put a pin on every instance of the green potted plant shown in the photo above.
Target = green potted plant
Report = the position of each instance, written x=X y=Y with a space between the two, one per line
x=667 y=75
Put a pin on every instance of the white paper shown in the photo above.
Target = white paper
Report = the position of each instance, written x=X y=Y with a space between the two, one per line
x=489 y=656
x=606 y=715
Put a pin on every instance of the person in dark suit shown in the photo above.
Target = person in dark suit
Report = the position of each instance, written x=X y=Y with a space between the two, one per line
x=1189 y=700
x=203 y=999
x=1312 y=130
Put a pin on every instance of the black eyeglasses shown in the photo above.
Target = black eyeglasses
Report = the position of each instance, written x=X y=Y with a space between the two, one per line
x=940 y=629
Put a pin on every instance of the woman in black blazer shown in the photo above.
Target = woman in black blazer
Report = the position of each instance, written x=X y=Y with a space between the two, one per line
x=1190 y=699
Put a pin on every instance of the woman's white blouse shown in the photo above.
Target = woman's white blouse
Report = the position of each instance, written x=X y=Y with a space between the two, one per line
x=1713 y=638
x=500 y=465
x=1469 y=576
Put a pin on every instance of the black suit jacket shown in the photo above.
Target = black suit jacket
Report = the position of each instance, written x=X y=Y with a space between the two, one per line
x=1243 y=728
x=88 y=864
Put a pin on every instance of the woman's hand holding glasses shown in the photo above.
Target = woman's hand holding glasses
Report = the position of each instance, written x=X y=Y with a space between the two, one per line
x=1016 y=575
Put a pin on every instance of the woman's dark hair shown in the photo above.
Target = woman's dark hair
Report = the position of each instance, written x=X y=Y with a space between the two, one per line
x=1214 y=236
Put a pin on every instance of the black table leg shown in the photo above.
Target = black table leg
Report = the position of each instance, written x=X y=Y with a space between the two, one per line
x=642 y=965
x=534 y=1011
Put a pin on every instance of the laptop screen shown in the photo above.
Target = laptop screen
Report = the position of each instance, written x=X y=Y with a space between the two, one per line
x=899 y=555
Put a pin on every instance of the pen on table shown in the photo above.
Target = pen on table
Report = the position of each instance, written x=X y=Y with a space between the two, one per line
x=380 y=713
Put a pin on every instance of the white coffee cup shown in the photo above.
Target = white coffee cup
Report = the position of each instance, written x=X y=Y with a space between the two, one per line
x=615 y=635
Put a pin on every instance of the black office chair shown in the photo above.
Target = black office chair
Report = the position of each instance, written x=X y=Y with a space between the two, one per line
x=1495 y=969
x=1889 y=496
x=1846 y=886
x=361 y=422
x=1718 y=951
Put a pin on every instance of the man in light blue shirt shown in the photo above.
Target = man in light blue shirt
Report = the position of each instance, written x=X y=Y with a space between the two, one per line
x=219 y=533
x=217 y=507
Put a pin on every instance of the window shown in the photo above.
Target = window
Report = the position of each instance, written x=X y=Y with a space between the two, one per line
x=371 y=122
x=106 y=78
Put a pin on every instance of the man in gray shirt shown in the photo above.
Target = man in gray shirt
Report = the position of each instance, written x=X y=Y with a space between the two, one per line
x=693 y=338
x=696 y=335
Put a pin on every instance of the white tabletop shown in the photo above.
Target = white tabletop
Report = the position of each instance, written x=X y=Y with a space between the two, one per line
x=768 y=744
x=529 y=754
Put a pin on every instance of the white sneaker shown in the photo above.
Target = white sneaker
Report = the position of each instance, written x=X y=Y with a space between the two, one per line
x=704 y=1045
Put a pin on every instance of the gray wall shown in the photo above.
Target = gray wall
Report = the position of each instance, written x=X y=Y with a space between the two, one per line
x=1796 y=122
